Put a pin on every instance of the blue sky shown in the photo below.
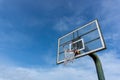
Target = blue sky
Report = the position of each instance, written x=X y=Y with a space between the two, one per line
x=29 y=30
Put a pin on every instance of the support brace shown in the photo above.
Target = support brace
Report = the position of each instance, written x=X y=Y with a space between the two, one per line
x=98 y=65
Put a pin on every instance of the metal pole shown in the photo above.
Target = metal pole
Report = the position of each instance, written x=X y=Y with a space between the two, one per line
x=98 y=65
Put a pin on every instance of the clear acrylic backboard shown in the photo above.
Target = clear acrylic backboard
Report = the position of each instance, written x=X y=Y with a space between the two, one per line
x=86 y=39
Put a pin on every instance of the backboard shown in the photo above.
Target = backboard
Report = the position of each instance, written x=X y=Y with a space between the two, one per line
x=86 y=39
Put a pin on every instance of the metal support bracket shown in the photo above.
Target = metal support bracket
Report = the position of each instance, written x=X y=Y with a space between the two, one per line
x=98 y=65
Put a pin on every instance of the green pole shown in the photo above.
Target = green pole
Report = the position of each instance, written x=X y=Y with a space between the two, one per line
x=98 y=65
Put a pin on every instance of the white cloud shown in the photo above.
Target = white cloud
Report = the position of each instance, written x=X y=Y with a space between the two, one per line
x=43 y=74
x=61 y=26
x=111 y=65
x=68 y=23
x=111 y=13
x=5 y=60
x=84 y=70
x=113 y=39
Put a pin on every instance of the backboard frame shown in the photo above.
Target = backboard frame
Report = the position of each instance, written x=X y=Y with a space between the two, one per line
x=82 y=43
x=96 y=50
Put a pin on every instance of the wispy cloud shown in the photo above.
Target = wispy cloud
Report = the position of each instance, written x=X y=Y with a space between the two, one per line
x=79 y=14
x=113 y=40
x=68 y=23
x=109 y=14
x=109 y=60
x=61 y=26
x=111 y=64
x=44 y=74
x=109 y=18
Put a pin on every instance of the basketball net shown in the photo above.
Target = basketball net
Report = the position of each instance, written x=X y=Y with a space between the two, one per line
x=69 y=57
